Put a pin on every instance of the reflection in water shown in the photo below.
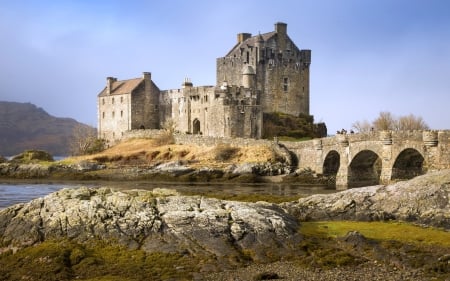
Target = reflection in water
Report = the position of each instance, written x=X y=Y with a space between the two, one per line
x=11 y=194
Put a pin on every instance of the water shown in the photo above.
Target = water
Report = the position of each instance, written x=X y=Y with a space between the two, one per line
x=13 y=193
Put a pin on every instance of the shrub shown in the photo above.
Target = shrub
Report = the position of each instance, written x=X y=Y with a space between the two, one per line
x=33 y=155
x=224 y=152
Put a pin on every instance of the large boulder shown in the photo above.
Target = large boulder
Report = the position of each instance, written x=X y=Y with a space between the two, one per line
x=152 y=221
x=424 y=200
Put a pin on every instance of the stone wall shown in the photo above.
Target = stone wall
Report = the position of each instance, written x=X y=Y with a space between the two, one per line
x=114 y=113
x=189 y=139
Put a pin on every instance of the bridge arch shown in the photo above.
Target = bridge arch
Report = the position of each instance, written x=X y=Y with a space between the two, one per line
x=364 y=169
x=331 y=163
x=408 y=164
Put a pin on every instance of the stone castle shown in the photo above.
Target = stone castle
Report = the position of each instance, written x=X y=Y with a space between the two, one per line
x=260 y=74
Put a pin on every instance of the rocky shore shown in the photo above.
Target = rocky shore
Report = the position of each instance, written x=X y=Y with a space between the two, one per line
x=227 y=240
x=423 y=200
x=278 y=165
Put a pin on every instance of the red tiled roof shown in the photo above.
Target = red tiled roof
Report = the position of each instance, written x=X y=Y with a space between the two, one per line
x=122 y=87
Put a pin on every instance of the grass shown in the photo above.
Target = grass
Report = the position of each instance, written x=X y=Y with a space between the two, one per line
x=68 y=260
x=403 y=232
x=149 y=151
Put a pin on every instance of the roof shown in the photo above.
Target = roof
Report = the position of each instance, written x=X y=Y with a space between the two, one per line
x=123 y=87
x=253 y=40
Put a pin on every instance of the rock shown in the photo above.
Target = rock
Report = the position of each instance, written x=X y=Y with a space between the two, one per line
x=261 y=169
x=24 y=171
x=174 y=167
x=3 y=159
x=85 y=166
x=152 y=221
x=424 y=200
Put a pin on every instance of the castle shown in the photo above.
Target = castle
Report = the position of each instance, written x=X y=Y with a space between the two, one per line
x=260 y=74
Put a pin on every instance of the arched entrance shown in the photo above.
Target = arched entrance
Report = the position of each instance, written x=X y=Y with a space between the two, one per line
x=196 y=126
x=365 y=169
x=331 y=166
x=409 y=164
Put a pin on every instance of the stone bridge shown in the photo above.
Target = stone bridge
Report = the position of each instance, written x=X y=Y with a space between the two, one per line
x=374 y=158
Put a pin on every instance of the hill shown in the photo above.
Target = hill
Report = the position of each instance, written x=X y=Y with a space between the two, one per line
x=25 y=126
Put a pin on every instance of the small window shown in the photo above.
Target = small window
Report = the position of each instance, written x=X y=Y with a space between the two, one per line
x=285 y=84
x=103 y=101
x=113 y=114
x=112 y=100
x=121 y=113
x=121 y=99
x=103 y=115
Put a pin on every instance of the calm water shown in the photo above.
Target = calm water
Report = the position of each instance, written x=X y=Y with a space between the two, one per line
x=12 y=193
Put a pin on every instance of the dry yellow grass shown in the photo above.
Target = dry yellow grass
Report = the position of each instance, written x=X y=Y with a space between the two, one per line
x=196 y=155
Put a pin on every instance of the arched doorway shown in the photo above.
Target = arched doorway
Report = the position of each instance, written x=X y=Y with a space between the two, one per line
x=331 y=166
x=365 y=169
x=409 y=164
x=196 y=126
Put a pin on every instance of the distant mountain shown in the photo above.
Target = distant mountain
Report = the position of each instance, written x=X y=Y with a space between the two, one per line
x=25 y=126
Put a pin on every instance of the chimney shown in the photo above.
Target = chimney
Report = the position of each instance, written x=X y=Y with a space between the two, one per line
x=147 y=76
x=241 y=37
x=281 y=30
x=109 y=84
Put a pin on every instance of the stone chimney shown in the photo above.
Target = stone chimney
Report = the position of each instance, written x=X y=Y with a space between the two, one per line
x=241 y=37
x=147 y=76
x=109 y=84
x=281 y=30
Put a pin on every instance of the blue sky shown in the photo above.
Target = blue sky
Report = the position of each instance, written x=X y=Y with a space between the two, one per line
x=368 y=56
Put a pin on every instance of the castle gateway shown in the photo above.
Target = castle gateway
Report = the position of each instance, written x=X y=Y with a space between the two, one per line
x=260 y=74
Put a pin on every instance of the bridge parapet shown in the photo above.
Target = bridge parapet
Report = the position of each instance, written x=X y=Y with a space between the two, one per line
x=378 y=156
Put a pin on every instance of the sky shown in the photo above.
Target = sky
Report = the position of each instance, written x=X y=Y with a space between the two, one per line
x=368 y=56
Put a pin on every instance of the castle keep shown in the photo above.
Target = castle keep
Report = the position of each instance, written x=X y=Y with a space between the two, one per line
x=262 y=73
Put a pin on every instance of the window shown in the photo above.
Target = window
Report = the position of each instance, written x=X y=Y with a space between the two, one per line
x=248 y=57
x=103 y=115
x=121 y=113
x=285 y=84
x=113 y=113
x=103 y=101
x=112 y=100
x=121 y=99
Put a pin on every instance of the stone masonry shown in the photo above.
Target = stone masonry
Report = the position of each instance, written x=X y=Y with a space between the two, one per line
x=263 y=73
x=379 y=157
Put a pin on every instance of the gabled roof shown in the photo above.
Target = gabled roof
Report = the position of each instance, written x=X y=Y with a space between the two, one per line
x=123 y=87
x=252 y=41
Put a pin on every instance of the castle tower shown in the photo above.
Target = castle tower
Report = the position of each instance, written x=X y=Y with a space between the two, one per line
x=248 y=76
x=280 y=70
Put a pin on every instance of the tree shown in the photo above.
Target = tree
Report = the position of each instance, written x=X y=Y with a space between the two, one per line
x=387 y=121
x=84 y=141
x=411 y=122
x=362 y=127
